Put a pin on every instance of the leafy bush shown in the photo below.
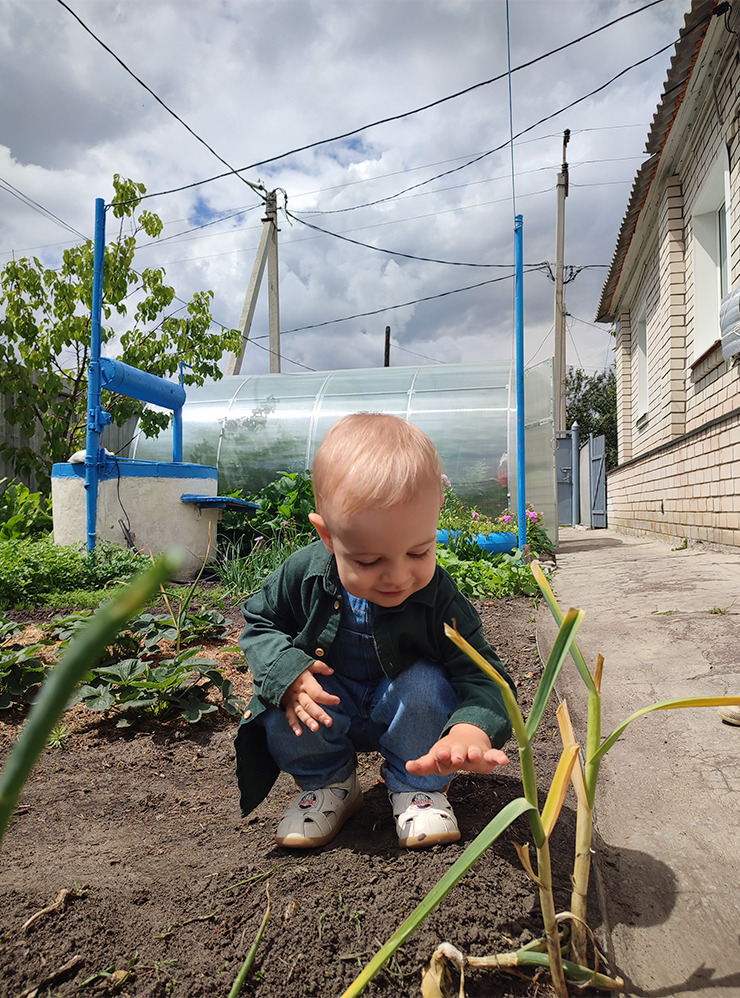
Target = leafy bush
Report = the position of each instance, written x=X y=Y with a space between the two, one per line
x=491 y=576
x=537 y=538
x=21 y=674
x=284 y=504
x=133 y=688
x=32 y=569
x=23 y=513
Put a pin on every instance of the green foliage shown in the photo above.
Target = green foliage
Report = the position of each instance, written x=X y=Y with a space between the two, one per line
x=456 y=514
x=194 y=626
x=493 y=576
x=62 y=680
x=133 y=688
x=537 y=538
x=45 y=337
x=591 y=401
x=285 y=504
x=22 y=671
x=23 y=513
x=32 y=569
x=243 y=575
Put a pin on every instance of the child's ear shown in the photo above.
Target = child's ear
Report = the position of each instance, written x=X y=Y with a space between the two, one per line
x=323 y=531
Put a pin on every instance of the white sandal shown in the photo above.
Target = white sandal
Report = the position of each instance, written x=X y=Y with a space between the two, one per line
x=314 y=817
x=423 y=819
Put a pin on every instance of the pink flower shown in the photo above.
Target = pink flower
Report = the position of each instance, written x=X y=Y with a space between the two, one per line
x=475 y=515
x=446 y=482
x=532 y=515
x=506 y=519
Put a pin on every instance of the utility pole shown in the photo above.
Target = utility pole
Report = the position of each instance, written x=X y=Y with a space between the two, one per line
x=560 y=373
x=267 y=253
x=387 y=358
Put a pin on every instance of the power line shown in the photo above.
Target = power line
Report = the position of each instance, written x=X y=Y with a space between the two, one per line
x=407 y=256
x=424 y=107
x=503 y=145
x=406 y=304
x=39 y=208
x=255 y=187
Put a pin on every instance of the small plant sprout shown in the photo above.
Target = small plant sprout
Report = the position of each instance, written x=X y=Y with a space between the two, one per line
x=584 y=781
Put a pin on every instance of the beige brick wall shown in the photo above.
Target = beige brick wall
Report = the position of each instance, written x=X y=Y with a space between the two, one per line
x=688 y=490
x=691 y=488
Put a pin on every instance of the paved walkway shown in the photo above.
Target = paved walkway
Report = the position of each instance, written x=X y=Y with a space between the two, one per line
x=668 y=802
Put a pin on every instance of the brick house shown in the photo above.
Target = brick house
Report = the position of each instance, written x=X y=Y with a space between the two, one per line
x=677 y=255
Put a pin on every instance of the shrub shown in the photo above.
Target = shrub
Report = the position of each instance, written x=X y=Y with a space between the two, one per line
x=23 y=513
x=32 y=569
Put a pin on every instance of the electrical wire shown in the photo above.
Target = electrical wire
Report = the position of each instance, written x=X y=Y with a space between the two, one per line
x=503 y=145
x=406 y=304
x=424 y=107
x=39 y=208
x=406 y=256
x=255 y=187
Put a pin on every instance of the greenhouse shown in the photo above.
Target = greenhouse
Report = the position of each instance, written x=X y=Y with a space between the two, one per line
x=251 y=427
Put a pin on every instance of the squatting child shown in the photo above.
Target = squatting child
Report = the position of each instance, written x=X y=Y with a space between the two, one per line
x=347 y=651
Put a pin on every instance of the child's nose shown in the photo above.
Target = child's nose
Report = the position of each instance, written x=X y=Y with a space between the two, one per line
x=396 y=572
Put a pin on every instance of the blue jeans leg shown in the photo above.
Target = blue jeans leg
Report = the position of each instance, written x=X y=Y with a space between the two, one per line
x=315 y=759
x=401 y=718
x=410 y=713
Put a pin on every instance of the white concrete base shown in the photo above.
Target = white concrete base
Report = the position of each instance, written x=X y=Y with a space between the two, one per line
x=152 y=505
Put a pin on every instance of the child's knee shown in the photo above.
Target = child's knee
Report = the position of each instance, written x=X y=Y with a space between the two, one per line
x=426 y=685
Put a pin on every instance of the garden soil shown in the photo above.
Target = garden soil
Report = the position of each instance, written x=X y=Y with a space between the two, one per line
x=128 y=870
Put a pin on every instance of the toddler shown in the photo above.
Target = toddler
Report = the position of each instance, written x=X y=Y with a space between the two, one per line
x=347 y=650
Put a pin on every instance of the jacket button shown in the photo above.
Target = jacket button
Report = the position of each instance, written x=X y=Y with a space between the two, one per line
x=247 y=715
x=337 y=605
x=319 y=652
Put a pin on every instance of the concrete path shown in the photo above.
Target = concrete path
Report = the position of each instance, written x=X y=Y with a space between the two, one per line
x=668 y=802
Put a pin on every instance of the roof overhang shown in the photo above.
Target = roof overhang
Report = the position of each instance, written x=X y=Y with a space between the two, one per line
x=691 y=38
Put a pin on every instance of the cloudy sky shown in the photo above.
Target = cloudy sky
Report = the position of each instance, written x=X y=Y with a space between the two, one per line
x=257 y=78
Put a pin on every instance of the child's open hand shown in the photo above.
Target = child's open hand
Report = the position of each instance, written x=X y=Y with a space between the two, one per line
x=303 y=698
x=464 y=747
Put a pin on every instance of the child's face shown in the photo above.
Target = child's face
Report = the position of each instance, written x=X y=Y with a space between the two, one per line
x=385 y=555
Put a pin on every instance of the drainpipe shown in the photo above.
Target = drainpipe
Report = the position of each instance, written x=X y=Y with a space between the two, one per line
x=575 y=474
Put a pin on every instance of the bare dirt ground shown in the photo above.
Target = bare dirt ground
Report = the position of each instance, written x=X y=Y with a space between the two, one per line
x=167 y=885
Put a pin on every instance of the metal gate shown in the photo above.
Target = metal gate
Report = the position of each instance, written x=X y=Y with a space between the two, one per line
x=597 y=447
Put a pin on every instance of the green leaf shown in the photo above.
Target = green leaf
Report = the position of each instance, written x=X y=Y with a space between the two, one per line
x=563 y=642
x=456 y=872
x=663 y=705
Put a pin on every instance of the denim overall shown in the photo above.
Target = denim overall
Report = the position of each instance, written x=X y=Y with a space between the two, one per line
x=401 y=718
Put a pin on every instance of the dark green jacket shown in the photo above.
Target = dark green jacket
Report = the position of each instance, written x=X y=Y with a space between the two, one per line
x=293 y=622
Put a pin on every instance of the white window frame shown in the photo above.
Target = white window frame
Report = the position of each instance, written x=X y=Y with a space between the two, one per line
x=709 y=222
x=641 y=360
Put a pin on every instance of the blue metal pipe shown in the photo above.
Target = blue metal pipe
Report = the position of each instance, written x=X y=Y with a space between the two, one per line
x=521 y=477
x=130 y=381
x=96 y=420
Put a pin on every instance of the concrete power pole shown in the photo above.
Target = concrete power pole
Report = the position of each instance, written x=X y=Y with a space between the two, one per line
x=267 y=253
x=560 y=371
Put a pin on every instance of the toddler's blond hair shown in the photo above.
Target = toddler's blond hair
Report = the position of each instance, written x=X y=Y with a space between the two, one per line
x=372 y=460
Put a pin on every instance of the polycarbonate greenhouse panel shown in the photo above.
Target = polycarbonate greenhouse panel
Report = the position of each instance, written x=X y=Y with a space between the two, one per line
x=254 y=426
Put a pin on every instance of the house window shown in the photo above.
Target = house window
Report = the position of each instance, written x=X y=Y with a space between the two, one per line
x=642 y=370
x=711 y=260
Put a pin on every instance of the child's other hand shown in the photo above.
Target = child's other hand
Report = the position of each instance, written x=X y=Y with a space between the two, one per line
x=303 y=698
x=464 y=747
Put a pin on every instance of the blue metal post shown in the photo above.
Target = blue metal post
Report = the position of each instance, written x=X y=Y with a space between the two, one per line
x=96 y=420
x=521 y=477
